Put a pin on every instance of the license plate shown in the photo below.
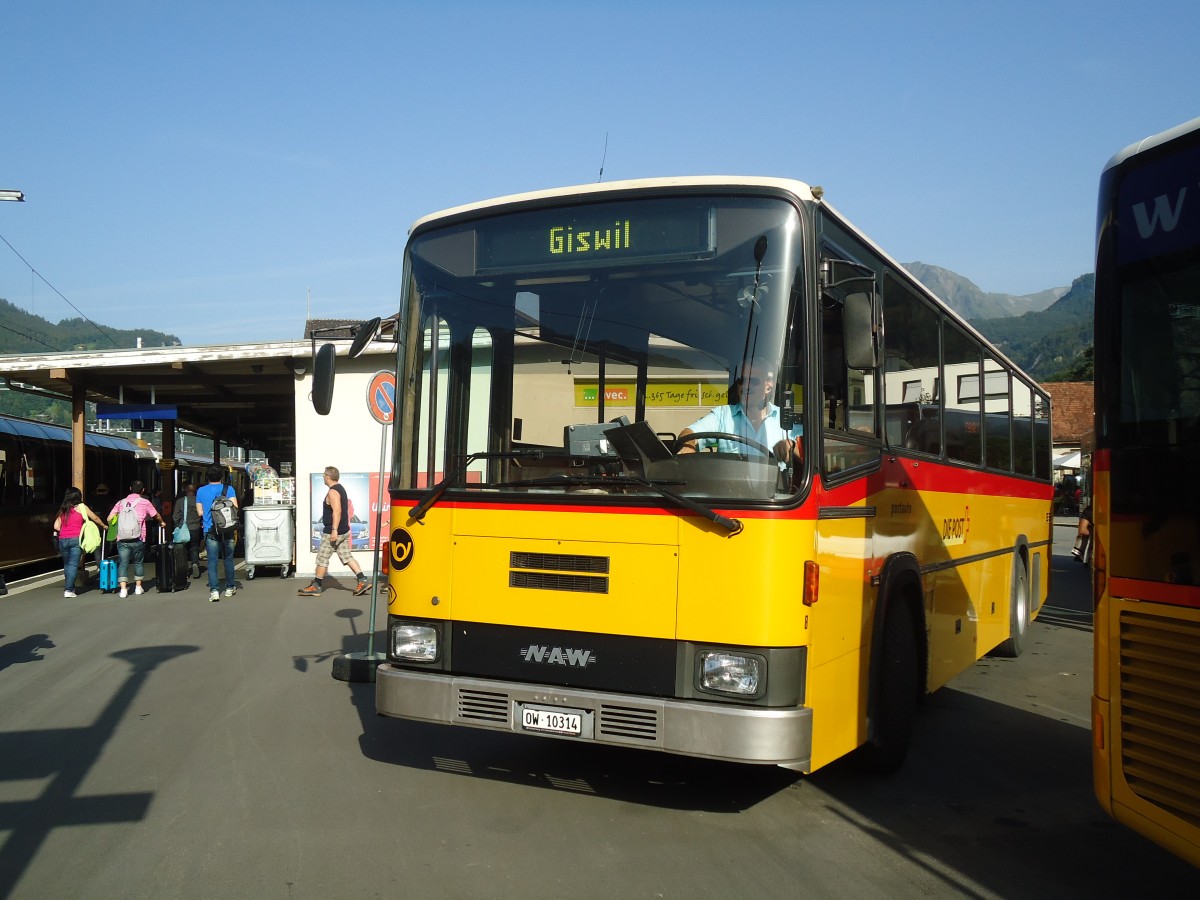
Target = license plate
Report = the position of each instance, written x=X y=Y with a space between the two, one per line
x=554 y=721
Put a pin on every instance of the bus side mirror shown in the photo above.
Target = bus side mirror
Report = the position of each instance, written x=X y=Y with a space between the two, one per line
x=860 y=334
x=323 y=368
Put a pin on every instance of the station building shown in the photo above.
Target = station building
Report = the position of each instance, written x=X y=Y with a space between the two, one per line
x=246 y=397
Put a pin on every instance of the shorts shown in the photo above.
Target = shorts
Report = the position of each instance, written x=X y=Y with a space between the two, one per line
x=325 y=551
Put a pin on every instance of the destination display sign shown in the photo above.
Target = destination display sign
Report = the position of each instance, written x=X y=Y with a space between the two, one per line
x=1158 y=208
x=605 y=233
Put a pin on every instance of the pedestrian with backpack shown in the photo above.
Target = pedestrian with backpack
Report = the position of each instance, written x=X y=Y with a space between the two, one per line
x=184 y=514
x=217 y=505
x=131 y=514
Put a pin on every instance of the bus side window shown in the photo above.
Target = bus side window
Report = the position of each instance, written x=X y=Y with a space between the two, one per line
x=848 y=396
x=911 y=369
x=964 y=395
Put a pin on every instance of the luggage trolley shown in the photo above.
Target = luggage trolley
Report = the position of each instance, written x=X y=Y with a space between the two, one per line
x=269 y=537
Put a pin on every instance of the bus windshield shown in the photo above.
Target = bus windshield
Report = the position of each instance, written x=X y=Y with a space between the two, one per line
x=568 y=349
x=1151 y=412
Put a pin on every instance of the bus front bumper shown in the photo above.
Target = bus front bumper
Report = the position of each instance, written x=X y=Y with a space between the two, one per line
x=722 y=731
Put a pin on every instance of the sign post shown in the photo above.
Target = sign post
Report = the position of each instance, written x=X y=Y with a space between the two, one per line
x=381 y=403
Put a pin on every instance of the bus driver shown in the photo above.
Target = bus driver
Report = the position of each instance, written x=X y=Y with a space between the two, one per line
x=749 y=414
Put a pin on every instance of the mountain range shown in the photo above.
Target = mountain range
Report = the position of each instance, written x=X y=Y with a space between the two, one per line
x=966 y=299
x=1046 y=333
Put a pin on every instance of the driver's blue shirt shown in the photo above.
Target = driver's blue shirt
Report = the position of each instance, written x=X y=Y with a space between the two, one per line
x=732 y=419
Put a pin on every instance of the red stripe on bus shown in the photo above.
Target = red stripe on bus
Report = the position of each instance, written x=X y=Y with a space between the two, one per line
x=903 y=474
x=1155 y=591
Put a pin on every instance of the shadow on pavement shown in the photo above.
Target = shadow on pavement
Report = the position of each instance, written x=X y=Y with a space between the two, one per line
x=63 y=757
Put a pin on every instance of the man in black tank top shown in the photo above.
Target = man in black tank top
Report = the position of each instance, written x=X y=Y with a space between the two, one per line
x=335 y=537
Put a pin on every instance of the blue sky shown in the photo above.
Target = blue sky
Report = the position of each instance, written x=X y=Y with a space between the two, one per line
x=206 y=168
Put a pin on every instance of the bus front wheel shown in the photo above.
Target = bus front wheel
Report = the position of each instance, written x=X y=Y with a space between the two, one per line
x=895 y=704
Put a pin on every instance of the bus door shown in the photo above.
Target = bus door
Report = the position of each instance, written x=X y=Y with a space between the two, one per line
x=851 y=444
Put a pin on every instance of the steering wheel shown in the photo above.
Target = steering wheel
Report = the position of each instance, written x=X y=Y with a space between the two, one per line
x=678 y=443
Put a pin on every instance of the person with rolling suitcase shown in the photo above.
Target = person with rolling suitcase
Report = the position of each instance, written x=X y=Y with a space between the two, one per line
x=131 y=514
x=69 y=525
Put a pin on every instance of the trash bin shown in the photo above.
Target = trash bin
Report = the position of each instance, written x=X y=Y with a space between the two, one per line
x=269 y=538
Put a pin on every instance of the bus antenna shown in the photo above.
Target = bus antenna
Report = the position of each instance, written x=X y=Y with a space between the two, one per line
x=603 y=157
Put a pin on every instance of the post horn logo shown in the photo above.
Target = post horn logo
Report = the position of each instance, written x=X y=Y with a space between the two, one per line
x=401 y=549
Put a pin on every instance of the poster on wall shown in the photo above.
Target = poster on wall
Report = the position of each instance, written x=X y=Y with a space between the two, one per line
x=360 y=488
x=384 y=519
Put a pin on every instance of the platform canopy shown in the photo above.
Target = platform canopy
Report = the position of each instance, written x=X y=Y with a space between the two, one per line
x=243 y=394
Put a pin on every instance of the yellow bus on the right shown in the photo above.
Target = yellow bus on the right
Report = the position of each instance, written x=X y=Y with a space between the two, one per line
x=1146 y=491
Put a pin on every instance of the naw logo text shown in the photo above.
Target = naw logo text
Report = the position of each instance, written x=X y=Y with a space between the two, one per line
x=557 y=656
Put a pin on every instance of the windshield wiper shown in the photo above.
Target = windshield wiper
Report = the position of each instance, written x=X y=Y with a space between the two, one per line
x=733 y=526
x=417 y=513
x=565 y=478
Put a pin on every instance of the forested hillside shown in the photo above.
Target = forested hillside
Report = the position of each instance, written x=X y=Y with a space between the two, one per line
x=1050 y=345
x=971 y=302
x=22 y=333
x=1048 y=334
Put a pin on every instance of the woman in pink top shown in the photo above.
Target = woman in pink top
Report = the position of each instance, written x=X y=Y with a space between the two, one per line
x=133 y=547
x=67 y=525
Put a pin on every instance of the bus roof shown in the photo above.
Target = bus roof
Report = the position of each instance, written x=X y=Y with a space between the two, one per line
x=799 y=188
x=1152 y=141
x=786 y=185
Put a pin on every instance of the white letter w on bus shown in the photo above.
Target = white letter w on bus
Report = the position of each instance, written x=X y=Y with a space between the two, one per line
x=1163 y=214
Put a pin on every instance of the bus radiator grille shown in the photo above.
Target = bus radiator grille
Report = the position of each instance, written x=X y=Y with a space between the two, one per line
x=1160 y=711
x=559 y=572
x=483 y=706
x=559 y=562
x=630 y=723
x=552 y=581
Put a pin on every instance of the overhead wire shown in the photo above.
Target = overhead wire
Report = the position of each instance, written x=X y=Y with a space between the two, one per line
x=82 y=315
x=30 y=337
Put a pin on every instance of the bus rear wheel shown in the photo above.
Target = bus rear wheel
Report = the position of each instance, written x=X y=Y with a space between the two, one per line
x=1018 y=616
x=895 y=704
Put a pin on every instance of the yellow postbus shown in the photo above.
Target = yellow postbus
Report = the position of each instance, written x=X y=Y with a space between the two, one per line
x=1146 y=548
x=691 y=465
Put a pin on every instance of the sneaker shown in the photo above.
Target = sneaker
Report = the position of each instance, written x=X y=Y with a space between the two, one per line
x=68 y=593
x=124 y=593
x=214 y=596
x=195 y=571
x=311 y=591
x=229 y=592
x=138 y=590
x=362 y=588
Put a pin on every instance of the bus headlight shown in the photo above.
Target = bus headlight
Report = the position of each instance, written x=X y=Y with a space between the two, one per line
x=730 y=673
x=414 y=643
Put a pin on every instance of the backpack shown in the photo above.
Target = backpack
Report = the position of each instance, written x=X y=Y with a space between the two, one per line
x=224 y=515
x=129 y=526
x=89 y=537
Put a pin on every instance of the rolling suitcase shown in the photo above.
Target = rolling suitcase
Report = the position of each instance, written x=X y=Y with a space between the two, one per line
x=171 y=568
x=108 y=569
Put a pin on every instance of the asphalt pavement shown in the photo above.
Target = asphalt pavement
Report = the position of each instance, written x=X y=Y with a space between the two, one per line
x=165 y=746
